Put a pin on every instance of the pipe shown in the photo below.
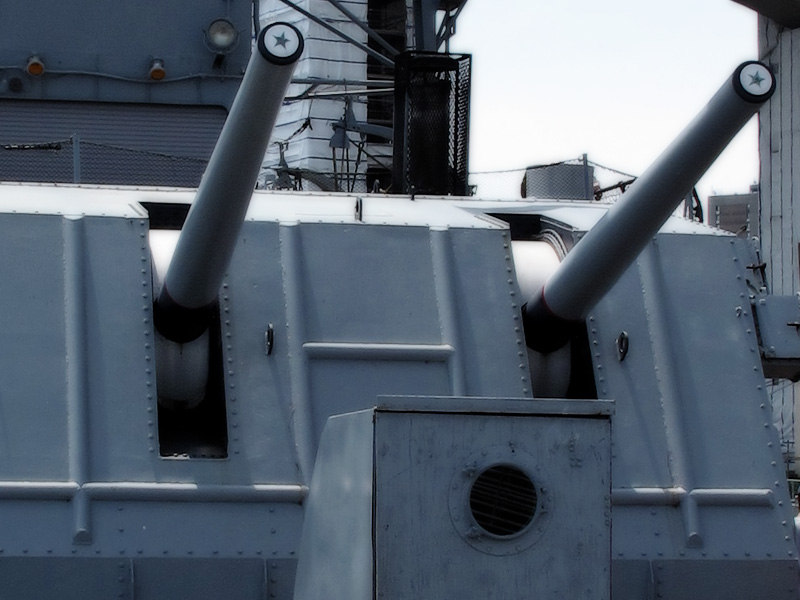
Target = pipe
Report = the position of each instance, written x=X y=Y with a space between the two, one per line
x=206 y=243
x=596 y=263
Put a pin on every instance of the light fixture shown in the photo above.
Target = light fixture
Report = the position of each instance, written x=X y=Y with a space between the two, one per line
x=157 y=71
x=35 y=66
x=221 y=36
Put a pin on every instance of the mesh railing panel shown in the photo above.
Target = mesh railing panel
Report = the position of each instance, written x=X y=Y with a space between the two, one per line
x=65 y=161
x=431 y=123
x=68 y=161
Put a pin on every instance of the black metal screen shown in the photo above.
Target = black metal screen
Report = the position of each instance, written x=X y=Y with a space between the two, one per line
x=431 y=132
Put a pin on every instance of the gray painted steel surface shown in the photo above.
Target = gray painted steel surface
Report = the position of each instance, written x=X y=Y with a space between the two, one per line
x=695 y=443
x=389 y=513
x=105 y=55
x=95 y=83
x=329 y=305
x=417 y=299
x=778 y=323
x=86 y=406
x=778 y=217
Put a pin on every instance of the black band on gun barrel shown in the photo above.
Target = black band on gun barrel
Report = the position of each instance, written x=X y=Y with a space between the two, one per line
x=545 y=331
x=179 y=323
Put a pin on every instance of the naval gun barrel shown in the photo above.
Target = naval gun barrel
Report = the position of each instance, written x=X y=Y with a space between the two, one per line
x=598 y=260
x=206 y=243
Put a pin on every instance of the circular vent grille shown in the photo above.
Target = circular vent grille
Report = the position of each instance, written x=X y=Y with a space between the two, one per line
x=503 y=500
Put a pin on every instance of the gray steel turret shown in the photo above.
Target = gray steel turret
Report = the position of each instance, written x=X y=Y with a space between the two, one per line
x=332 y=396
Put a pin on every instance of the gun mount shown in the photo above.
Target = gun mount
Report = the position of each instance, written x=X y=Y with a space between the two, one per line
x=378 y=434
x=597 y=262
x=188 y=295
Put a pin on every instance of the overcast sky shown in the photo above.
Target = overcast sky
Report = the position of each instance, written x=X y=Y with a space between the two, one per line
x=617 y=79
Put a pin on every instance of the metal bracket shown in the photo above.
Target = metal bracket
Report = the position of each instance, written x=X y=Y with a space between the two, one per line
x=760 y=267
x=623 y=344
x=269 y=339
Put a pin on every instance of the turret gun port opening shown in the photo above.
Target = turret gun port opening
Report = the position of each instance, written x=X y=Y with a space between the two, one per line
x=192 y=414
x=538 y=245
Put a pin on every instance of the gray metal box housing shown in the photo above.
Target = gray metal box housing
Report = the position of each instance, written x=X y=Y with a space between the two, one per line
x=397 y=487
